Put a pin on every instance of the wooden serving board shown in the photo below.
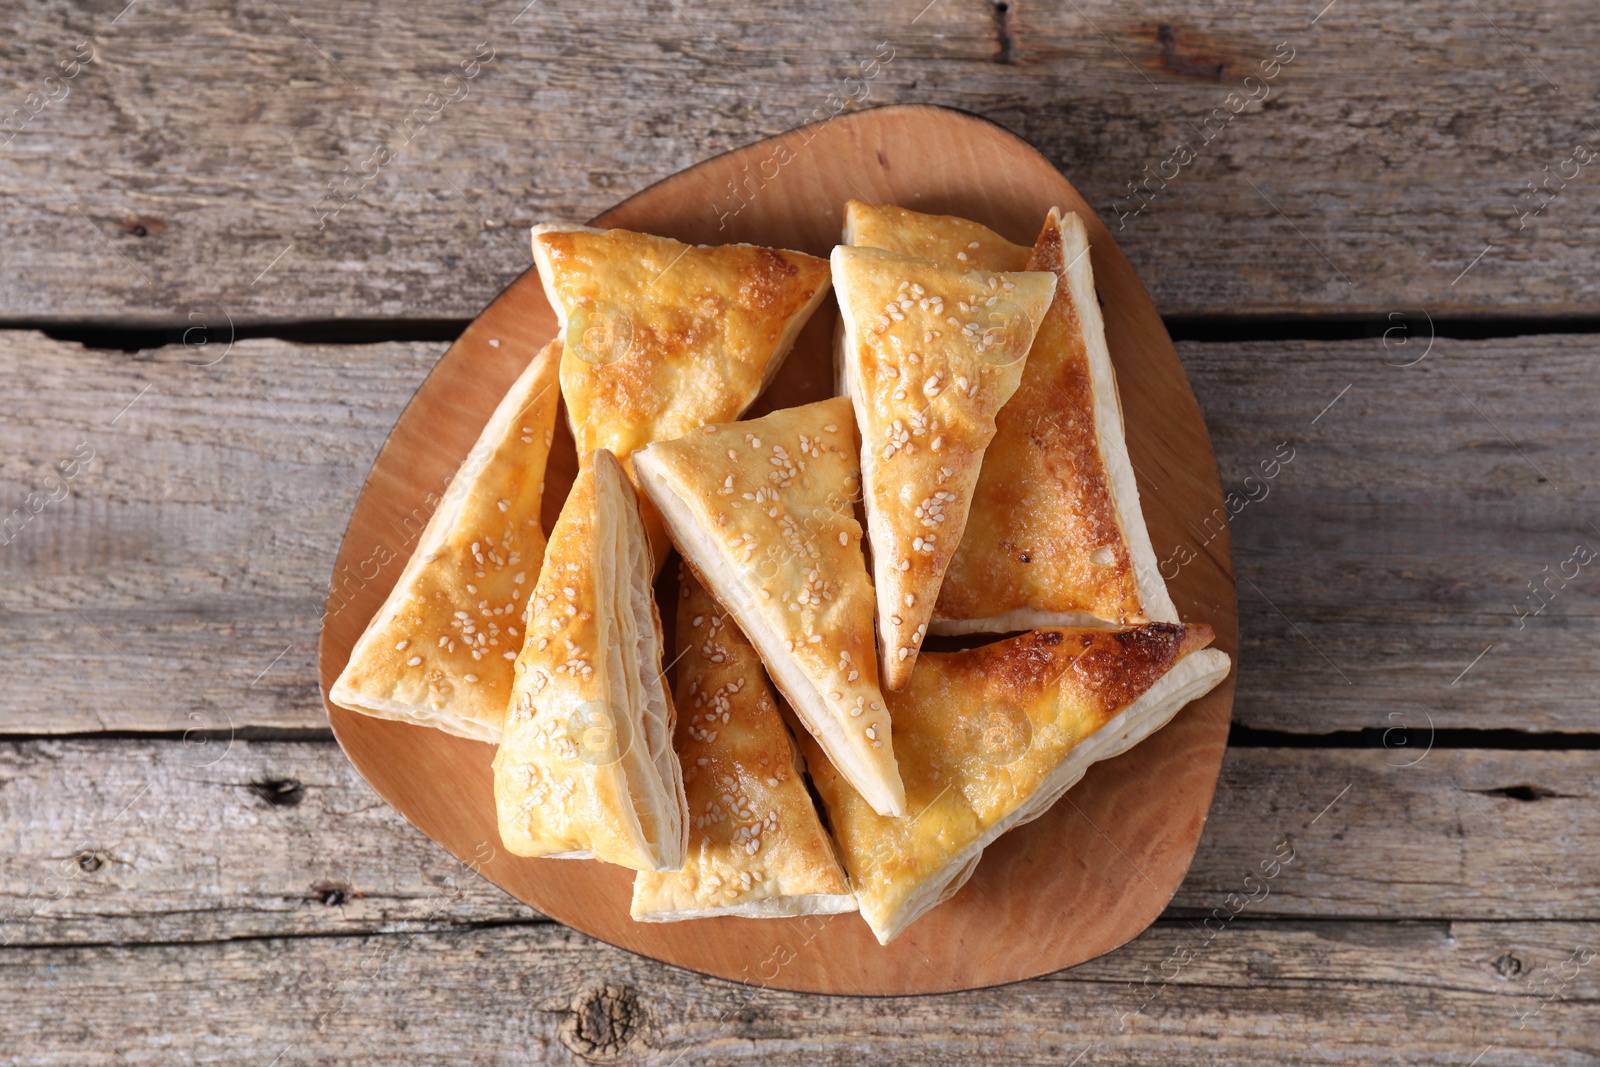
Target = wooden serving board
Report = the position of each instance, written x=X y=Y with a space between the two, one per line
x=1081 y=880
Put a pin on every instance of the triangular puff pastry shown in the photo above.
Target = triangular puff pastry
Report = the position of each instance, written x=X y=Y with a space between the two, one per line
x=663 y=337
x=440 y=651
x=946 y=239
x=930 y=355
x=756 y=846
x=586 y=767
x=1055 y=536
x=990 y=737
x=764 y=511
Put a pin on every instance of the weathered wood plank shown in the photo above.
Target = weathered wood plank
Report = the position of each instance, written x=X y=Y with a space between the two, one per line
x=1423 y=506
x=1257 y=993
x=181 y=581
x=111 y=841
x=1370 y=169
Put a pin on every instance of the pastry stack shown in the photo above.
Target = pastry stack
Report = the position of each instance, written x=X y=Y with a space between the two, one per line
x=970 y=478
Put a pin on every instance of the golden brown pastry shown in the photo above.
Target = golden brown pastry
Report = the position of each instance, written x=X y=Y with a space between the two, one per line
x=990 y=737
x=663 y=337
x=586 y=767
x=756 y=846
x=764 y=511
x=930 y=354
x=440 y=650
x=1055 y=536
x=946 y=239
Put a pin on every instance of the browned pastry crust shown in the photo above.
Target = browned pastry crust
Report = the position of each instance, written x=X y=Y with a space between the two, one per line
x=756 y=846
x=948 y=240
x=663 y=337
x=586 y=767
x=990 y=737
x=930 y=355
x=440 y=650
x=764 y=511
x=1055 y=536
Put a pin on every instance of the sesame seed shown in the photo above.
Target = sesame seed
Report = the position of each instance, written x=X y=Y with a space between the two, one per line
x=470 y=677
x=911 y=599
x=414 y=661
x=844 y=538
x=401 y=647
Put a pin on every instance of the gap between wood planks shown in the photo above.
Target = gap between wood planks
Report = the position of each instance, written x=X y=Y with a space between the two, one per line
x=140 y=336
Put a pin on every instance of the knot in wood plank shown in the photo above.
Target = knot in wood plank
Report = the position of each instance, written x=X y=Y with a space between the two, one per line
x=604 y=1023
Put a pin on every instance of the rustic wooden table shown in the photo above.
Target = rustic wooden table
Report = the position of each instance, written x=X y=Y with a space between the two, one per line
x=237 y=237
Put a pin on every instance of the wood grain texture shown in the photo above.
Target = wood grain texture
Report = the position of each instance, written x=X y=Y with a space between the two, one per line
x=180 y=582
x=1146 y=808
x=1315 y=993
x=154 y=841
x=1399 y=540
x=199 y=145
x=1423 y=505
